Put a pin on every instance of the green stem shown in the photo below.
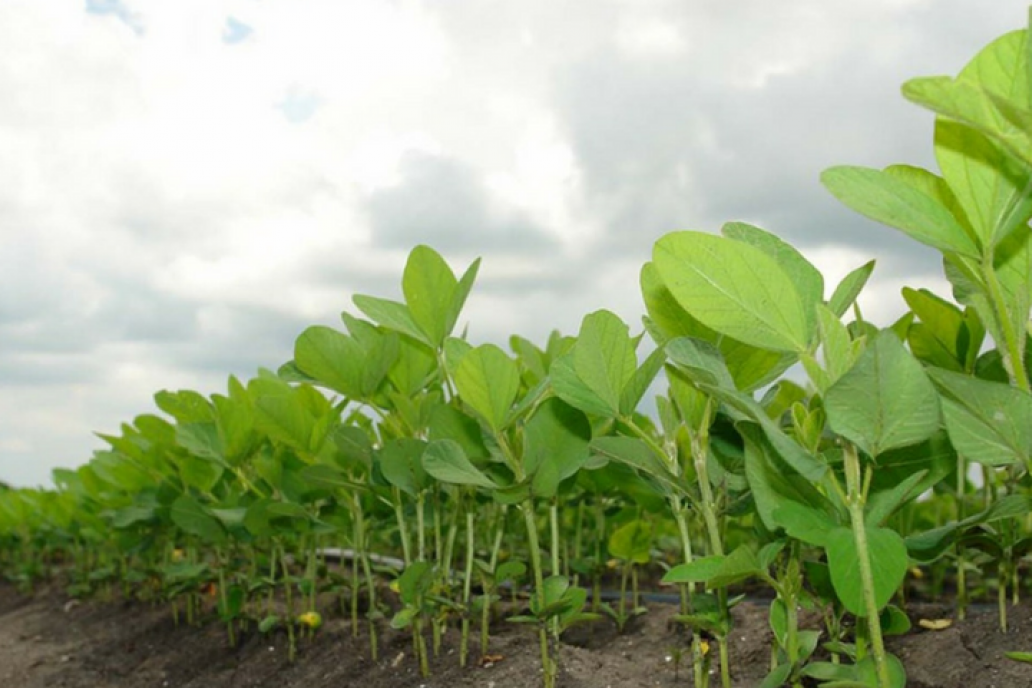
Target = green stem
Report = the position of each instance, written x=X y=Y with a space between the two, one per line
x=1012 y=344
x=467 y=586
x=547 y=665
x=856 y=502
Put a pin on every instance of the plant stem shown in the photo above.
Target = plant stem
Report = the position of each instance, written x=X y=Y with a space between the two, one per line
x=467 y=587
x=1012 y=345
x=547 y=665
x=856 y=502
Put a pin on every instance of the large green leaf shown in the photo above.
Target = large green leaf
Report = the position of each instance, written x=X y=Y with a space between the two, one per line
x=429 y=286
x=771 y=483
x=885 y=400
x=191 y=517
x=555 y=445
x=888 y=557
x=488 y=381
x=891 y=200
x=735 y=289
x=808 y=280
x=392 y=315
x=604 y=358
x=401 y=463
x=445 y=460
x=988 y=422
x=989 y=182
x=332 y=358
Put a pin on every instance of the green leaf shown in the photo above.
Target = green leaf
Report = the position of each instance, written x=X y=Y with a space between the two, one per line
x=636 y=387
x=881 y=505
x=201 y=439
x=392 y=315
x=886 y=198
x=445 y=460
x=569 y=387
x=632 y=542
x=190 y=517
x=988 y=422
x=894 y=621
x=449 y=423
x=771 y=482
x=1025 y=657
x=835 y=343
x=555 y=445
x=979 y=156
x=401 y=462
x=849 y=289
x=931 y=544
x=700 y=570
x=885 y=400
x=603 y=357
x=937 y=337
x=460 y=294
x=488 y=381
x=636 y=454
x=332 y=358
x=735 y=289
x=429 y=286
x=805 y=523
x=808 y=280
x=701 y=360
x=777 y=677
x=888 y=557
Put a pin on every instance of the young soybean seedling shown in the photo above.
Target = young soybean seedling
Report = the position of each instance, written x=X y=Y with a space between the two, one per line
x=631 y=544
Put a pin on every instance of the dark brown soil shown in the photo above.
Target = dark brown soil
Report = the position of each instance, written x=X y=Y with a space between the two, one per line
x=50 y=641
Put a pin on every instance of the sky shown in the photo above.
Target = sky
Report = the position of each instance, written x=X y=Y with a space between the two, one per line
x=185 y=186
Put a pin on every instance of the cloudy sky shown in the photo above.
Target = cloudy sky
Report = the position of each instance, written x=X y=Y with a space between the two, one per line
x=184 y=186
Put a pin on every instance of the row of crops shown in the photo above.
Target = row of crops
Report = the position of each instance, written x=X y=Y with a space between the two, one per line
x=793 y=445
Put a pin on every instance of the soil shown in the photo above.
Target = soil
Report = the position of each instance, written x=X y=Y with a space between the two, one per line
x=50 y=641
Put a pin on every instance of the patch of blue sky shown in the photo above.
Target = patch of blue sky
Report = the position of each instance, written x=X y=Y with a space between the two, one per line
x=117 y=9
x=235 y=31
x=299 y=106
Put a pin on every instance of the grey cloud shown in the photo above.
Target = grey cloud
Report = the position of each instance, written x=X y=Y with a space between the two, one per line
x=442 y=202
x=664 y=145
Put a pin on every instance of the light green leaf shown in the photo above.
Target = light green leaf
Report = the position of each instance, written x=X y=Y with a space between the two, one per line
x=569 y=387
x=488 y=381
x=988 y=422
x=604 y=358
x=886 y=198
x=888 y=556
x=392 y=315
x=638 y=384
x=734 y=288
x=401 y=463
x=808 y=280
x=805 y=523
x=555 y=445
x=632 y=542
x=445 y=460
x=429 y=286
x=849 y=288
x=636 y=454
x=700 y=570
x=460 y=295
x=332 y=358
x=990 y=184
x=885 y=400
